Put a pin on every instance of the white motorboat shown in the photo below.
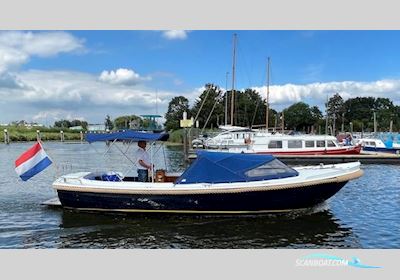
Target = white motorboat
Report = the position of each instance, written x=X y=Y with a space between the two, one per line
x=263 y=142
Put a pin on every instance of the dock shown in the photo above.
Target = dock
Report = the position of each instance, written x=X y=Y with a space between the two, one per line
x=370 y=158
x=52 y=203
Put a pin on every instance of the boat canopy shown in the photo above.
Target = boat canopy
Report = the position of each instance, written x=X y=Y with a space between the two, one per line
x=218 y=167
x=127 y=135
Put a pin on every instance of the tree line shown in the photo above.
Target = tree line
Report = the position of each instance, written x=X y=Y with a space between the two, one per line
x=68 y=124
x=354 y=114
x=130 y=122
x=119 y=123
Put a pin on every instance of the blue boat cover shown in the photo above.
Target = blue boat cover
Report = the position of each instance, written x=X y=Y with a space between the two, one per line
x=218 y=167
x=126 y=135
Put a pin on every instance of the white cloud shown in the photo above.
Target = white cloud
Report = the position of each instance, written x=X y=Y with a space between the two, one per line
x=42 y=44
x=175 y=34
x=11 y=81
x=10 y=58
x=316 y=93
x=56 y=115
x=46 y=96
x=122 y=77
x=16 y=47
x=51 y=95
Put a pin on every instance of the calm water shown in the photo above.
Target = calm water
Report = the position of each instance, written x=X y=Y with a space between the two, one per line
x=364 y=214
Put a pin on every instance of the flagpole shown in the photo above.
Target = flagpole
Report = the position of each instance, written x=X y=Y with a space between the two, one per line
x=56 y=167
x=267 y=107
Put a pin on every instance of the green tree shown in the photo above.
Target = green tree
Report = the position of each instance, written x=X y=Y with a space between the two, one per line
x=108 y=123
x=385 y=112
x=251 y=109
x=124 y=122
x=211 y=96
x=68 y=123
x=83 y=124
x=317 y=119
x=62 y=124
x=176 y=107
x=299 y=116
x=316 y=115
x=360 y=109
x=335 y=109
x=360 y=112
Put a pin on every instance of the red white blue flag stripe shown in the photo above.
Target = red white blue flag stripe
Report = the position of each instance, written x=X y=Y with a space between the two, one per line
x=32 y=162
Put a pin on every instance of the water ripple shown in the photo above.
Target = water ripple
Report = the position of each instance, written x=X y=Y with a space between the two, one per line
x=364 y=214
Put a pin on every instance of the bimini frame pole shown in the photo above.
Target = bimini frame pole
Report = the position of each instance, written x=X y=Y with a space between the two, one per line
x=151 y=161
x=109 y=147
x=122 y=152
x=165 y=158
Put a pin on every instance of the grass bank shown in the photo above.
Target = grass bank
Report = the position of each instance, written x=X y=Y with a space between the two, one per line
x=29 y=134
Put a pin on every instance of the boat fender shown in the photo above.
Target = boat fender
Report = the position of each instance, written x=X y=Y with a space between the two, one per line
x=160 y=175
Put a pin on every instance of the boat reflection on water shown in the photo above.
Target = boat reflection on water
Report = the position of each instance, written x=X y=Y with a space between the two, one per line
x=315 y=228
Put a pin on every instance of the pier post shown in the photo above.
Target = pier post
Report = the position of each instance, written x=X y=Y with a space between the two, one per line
x=6 y=137
x=197 y=129
x=185 y=124
x=38 y=138
x=81 y=133
x=185 y=146
x=62 y=135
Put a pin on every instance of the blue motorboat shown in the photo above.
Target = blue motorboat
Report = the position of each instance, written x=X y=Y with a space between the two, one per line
x=379 y=145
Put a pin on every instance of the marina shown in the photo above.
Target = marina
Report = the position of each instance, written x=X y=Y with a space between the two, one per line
x=361 y=215
x=159 y=140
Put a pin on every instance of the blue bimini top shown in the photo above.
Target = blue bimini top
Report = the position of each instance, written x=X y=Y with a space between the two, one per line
x=127 y=135
x=218 y=167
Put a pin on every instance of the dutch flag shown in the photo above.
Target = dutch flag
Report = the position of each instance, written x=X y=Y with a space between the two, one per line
x=32 y=162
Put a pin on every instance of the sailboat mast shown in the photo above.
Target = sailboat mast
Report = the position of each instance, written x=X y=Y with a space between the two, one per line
x=233 y=79
x=267 y=109
x=226 y=99
x=327 y=116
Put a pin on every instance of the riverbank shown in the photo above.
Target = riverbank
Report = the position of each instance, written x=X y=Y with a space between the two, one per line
x=23 y=134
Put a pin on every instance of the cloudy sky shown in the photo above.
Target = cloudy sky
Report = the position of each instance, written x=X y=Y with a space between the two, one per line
x=49 y=75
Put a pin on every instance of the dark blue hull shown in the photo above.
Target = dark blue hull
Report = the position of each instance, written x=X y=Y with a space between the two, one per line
x=381 y=150
x=243 y=202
